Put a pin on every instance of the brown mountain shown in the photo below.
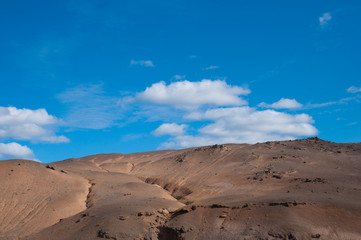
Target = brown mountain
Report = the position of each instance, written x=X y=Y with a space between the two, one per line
x=302 y=189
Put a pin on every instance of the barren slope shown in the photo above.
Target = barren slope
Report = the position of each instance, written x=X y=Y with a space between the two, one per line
x=34 y=197
x=299 y=189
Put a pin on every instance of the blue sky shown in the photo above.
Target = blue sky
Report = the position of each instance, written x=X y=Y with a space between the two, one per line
x=89 y=76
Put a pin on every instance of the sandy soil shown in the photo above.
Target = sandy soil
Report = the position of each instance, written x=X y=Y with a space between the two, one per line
x=302 y=189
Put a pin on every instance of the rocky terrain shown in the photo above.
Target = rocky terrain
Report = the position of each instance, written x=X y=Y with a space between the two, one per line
x=302 y=189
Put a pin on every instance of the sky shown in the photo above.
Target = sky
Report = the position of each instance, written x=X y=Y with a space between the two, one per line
x=85 y=77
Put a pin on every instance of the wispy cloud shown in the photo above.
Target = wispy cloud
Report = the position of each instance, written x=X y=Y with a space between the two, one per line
x=143 y=63
x=330 y=103
x=325 y=19
x=353 y=89
x=131 y=137
x=193 y=56
x=179 y=77
x=211 y=67
x=351 y=124
x=90 y=107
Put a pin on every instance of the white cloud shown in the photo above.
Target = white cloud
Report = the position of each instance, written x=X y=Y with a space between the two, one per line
x=236 y=121
x=325 y=19
x=211 y=67
x=145 y=63
x=15 y=150
x=243 y=125
x=193 y=56
x=353 y=89
x=179 y=77
x=27 y=124
x=220 y=108
x=185 y=94
x=12 y=115
x=170 y=129
x=283 y=103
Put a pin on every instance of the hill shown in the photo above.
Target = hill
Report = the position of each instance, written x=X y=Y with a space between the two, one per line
x=302 y=189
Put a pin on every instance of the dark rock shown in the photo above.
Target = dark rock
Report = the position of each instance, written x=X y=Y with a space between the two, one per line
x=218 y=206
x=48 y=166
x=277 y=176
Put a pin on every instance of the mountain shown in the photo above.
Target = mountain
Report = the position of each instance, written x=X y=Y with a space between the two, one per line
x=301 y=189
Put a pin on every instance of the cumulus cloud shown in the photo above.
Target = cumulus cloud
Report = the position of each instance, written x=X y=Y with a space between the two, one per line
x=15 y=150
x=236 y=121
x=170 y=129
x=211 y=67
x=27 y=124
x=225 y=117
x=283 y=103
x=353 y=89
x=185 y=94
x=143 y=63
x=218 y=107
x=243 y=125
x=325 y=19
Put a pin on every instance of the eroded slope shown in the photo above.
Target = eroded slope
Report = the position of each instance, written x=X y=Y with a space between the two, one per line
x=303 y=189
x=34 y=197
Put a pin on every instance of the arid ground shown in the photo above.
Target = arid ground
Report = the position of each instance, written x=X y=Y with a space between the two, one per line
x=301 y=189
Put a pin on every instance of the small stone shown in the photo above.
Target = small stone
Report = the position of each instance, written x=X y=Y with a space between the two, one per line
x=278 y=176
x=164 y=211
